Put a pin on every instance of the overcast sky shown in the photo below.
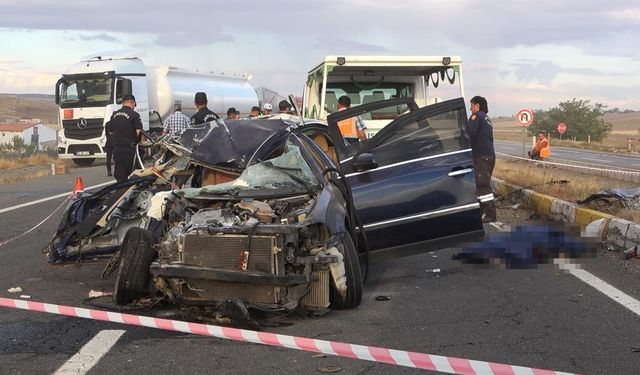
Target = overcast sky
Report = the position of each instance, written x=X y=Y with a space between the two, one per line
x=518 y=54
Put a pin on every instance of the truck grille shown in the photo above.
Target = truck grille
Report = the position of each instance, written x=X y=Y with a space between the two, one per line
x=74 y=129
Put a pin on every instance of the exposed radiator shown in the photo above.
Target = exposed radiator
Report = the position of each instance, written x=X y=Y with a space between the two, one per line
x=225 y=252
x=318 y=296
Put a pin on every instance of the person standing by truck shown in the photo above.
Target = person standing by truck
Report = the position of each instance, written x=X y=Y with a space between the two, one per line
x=204 y=114
x=177 y=122
x=127 y=126
x=353 y=129
x=480 y=130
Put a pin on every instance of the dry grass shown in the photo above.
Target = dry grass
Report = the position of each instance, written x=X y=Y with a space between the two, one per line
x=539 y=178
x=38 y=159
x=625 y=128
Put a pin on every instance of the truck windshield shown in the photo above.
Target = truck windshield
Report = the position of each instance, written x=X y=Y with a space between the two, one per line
x=367 y=93
x=86 y=92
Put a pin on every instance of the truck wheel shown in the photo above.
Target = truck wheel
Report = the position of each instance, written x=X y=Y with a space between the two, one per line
x=353 y=274
x=84 y=162
x=136 y=255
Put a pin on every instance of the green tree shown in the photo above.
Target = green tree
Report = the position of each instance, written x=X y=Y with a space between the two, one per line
x=18 y=146
x=582 y=119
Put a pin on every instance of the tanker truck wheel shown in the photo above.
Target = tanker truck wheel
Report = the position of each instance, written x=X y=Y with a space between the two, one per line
x=85 y=162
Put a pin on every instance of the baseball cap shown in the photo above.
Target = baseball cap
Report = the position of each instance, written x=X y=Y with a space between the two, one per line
x=129 y=97
x=267 y=107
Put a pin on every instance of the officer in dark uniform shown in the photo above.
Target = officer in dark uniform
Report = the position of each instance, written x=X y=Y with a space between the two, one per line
x=204 y=114
x=126 y=126
x=484 y=156
x=108 y=146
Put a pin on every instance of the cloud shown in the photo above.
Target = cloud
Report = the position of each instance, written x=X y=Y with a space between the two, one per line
x=354 y=47
x=103 y=37
x=188 y=39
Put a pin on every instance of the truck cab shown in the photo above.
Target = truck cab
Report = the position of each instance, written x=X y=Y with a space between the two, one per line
x=365 y=79
x=91 y=90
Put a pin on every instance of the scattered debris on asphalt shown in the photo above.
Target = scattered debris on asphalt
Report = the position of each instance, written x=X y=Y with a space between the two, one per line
x=383 y=298
x=24 y=296
x=98 y=293
x=435 y=270
x=14 y=290
x=631 y=253
x=329 y=369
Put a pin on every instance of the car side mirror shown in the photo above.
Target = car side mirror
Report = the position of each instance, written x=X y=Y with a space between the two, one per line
x=365 y=162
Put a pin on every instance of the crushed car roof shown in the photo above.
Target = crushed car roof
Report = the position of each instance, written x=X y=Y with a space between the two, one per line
x=231 y=143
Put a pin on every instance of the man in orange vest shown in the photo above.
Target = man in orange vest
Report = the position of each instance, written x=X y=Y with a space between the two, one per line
x=541 y=150
x=352 y=128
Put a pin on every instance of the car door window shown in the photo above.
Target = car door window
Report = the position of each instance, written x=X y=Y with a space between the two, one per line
x=423 y=136
x=423 y=133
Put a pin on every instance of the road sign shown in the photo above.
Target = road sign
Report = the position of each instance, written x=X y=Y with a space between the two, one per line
x=562 y=128
x=524 y=117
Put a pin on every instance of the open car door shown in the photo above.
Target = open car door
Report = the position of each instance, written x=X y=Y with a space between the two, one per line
x=413 y=182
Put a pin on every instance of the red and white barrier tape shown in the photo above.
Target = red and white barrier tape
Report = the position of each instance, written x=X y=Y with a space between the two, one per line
x=449 y=365
x=570 y=165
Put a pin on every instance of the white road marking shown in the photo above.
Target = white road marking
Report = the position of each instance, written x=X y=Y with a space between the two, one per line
x=601 y=285
x=597 y=283
x=91 y=353
x=596 y=160
x=50 y=198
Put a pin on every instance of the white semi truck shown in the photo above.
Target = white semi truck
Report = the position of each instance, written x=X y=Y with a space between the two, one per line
x=89 y=91
x=364 y=79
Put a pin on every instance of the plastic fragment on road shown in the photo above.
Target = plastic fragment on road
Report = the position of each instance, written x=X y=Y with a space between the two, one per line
x=16 y=289
x=97 y=293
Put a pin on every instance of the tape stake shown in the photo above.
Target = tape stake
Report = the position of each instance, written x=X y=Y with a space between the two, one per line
x=431 y=362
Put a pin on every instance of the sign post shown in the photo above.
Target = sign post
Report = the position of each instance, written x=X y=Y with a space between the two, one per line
x=524 y=118
x=562 y=128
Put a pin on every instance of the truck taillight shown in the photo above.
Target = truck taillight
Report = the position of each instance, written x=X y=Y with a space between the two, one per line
x=68 y=113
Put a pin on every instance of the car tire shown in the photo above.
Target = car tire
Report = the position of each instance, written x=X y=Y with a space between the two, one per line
x=136 y=255
x=354 y=277
x=84 y=162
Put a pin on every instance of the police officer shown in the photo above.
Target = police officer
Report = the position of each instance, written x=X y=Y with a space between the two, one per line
x=126 y=126
x=484 y=156
x=204 y=114
x=108 y=146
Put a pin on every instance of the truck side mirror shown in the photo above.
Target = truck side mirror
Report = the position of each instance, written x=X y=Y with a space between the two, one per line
x=60 y=81
x=123 y=87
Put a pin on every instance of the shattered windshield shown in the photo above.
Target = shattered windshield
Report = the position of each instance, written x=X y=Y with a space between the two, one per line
x=288 y=173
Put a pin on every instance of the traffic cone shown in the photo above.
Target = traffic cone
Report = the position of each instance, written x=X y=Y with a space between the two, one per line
x=78 y=187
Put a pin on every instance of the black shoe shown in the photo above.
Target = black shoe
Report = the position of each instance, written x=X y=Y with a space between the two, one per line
x=109 y=174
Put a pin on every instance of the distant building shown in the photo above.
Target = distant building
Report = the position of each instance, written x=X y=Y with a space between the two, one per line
x=30 y=132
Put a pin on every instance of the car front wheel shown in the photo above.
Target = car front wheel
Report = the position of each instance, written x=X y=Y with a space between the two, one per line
x=136 y=255
x=353 y=296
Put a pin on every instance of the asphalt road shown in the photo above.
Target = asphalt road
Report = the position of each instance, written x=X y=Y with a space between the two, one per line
x=572 y=156
x=542 y=318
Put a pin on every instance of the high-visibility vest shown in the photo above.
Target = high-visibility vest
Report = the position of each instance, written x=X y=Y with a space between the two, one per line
x=545 y=151
x=348 y=128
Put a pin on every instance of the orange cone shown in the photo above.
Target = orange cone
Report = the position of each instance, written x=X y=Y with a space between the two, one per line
x=78 y=187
